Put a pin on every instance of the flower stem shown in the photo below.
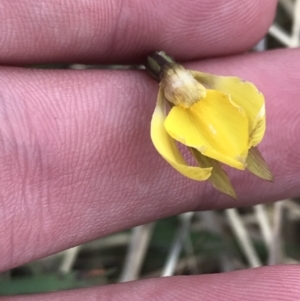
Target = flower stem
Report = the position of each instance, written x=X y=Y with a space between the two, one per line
x=157 y=63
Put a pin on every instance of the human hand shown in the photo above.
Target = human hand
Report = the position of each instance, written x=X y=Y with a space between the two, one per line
x=76 y=157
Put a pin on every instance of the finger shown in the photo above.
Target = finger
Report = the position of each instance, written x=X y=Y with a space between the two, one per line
x=77 y=161
x=267 y=283
x=103 y=31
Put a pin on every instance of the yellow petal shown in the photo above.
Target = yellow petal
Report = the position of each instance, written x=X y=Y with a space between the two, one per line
x=245 y=95
x=218 y=178
x=167 y=148
x=214 y=126
x=258 y=166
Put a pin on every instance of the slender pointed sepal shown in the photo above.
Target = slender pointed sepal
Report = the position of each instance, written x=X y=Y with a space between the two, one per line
x=257 y=165
x=218 y=178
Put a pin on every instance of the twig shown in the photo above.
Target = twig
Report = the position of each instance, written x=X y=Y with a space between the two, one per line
x=264 y=224
x=137 y=249
x=296 y=25
x=242 y=237
x=293 y=209
x=275 y=254
x=69 y=258
x=280 y=35
x=288 y=5
x=176 y=247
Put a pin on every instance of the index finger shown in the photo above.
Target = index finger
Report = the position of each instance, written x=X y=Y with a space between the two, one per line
x=77 y=162
x=125 y=31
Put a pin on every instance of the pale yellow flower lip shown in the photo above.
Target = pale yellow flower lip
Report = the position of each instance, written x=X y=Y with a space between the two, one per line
x=245 y=95
x=214 y=126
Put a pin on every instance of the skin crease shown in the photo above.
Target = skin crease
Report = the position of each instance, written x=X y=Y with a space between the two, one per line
x=75 y=154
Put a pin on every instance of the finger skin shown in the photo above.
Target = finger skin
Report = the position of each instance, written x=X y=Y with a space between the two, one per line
x=37 y=31
x=77 y=161
x=267 y=283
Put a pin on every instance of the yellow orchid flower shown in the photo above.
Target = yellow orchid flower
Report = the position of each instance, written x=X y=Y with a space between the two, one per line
x=220 y=119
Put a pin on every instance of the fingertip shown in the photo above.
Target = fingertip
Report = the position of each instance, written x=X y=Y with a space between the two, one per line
x=126 y=31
